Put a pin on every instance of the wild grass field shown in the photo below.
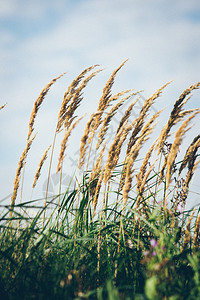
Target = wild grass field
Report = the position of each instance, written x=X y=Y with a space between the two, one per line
x=121 y=229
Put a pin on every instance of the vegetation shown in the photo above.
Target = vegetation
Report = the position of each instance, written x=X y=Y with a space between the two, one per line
x=123 y=231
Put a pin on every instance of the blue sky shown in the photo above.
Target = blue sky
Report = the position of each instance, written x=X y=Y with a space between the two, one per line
x=42 y=39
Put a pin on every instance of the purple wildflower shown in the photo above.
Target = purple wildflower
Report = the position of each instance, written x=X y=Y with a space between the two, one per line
x=153 y=243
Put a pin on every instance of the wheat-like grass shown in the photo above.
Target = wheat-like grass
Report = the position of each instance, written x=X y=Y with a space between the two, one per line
x=114 y=150
x=118 y=95
x=132 y=154
x=64 y=142
x=84 y=146
x=128 y=181
x=69 y=94
x=127 y=114
x=175 y=116
x=124 y=134
x=108 y=118
x=143 y=112
x=77 y=98
x=120 y=136
x=131 y=157
x=139 y=122
x=104 y=101
x=175 y=147
x=38 y=103
x=94 y=175
x=141 y=174
x=38 y=172
x=18 y=172
x=190 y=153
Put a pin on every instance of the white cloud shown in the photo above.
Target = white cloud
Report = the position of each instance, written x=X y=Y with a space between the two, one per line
x=36 y=9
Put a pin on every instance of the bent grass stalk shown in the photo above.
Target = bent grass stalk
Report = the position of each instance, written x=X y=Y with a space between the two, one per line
x=38 y=172
x=18 y=173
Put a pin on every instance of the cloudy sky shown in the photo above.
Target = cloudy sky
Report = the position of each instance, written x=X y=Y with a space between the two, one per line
x=41 y=39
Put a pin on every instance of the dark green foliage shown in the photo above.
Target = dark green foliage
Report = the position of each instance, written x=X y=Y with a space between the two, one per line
x=58 y=258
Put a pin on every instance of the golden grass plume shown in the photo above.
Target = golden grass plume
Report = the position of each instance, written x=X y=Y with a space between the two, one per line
x=64 y=141
x=175 y=147
x=176 y=115
x=38 y=103
x=18 y=172
x=38 y=172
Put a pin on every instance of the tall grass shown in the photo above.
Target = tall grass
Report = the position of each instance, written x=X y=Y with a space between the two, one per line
x=123 y=231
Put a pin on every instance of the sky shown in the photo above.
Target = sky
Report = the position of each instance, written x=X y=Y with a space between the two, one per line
x=41 y=39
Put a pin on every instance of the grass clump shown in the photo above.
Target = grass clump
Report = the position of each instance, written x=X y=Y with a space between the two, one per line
x=124 y=230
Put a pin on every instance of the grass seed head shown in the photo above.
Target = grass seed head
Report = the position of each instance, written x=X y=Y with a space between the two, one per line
x=38 y=172
x=38 y=103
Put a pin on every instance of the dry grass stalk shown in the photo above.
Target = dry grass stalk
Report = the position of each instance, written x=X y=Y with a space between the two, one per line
x=128 y=181
x=38 y=103
x=185 y=113
x=118 y=95
x=138 y=127
x=115 y=149
x=69 y=94
x=187 y=236
x=140 y=119
x=105 y=98
x=38 y=172
x=108 y=118
x=190 y=153
x=76 y=99
x=196 y=232
x=144 y=182
x=104 y=101
x=1 y=107
x=141 y=174
x=123 y=137
x=175 y=116
x=18 y=172
x=83 y=146
x=94 y=175
x=97 y=190
x=175 y=147
x=127 y=114
x=134 y=151
x=63 y=144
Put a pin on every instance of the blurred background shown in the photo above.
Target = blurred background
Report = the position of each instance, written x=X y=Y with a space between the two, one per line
x=41 y=39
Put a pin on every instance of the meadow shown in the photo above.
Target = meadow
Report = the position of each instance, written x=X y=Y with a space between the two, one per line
x=121 y=229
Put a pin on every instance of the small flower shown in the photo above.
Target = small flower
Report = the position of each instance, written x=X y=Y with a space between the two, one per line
x=154 y=253
x=180 y=208
x=153 y=243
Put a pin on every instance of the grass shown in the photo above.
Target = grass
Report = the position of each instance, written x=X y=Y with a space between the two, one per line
x=124 y=231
